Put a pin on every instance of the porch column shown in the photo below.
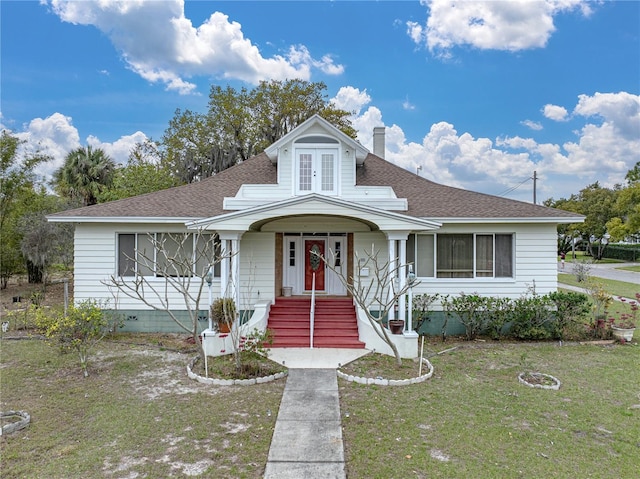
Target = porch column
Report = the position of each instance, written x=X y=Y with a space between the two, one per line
x=235 y=271
x=392 y=266
x=224 y=267
x=402 y=280
x=230 y=266
x=397 y=264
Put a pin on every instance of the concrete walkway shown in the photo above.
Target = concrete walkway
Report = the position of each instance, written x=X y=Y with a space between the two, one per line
x=307 y=440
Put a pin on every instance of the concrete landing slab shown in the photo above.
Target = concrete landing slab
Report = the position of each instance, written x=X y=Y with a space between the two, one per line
x=316 y=358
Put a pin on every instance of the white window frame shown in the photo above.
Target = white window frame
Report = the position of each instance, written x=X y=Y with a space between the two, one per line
x=152 y=272
x=317 y=184
x=475 y=276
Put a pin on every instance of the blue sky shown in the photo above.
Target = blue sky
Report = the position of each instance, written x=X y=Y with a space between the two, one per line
x=477 y=94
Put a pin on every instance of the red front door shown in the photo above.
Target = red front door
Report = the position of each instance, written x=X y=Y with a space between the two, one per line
x=313 y=263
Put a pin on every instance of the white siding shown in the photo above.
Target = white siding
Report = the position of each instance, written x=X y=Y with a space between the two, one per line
x=535 y=264
x=257 y=282
x=313 y=224
x=365 y=245
x=95 y=263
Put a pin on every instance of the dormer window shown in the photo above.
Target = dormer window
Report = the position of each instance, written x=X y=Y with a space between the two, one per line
x=316 y=165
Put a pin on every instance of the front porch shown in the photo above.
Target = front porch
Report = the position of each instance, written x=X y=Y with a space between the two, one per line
x=342 y=326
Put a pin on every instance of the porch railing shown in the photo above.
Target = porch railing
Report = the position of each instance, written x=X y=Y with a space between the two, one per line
x=312 y=313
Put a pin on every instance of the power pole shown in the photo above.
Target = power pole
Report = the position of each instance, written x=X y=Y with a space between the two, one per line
x=535 y=180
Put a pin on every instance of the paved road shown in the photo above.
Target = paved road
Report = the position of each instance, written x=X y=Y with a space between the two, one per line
x=605 y=271
x=608 y=271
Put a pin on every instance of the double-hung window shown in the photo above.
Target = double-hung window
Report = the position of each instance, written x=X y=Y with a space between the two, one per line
x=461 y=255
x=421 y=253
x=167 y=254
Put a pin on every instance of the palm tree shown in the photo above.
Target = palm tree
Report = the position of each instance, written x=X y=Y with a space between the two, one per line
x=84 y=174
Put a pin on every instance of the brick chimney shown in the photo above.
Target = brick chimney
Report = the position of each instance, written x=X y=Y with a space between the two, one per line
x=378 y=141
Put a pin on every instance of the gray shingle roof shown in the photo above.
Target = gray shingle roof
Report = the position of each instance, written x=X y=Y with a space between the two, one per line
x=195 y=200
x=433 y=200
x=426 y=199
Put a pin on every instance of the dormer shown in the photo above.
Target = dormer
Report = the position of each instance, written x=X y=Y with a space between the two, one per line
x=317 y=158
x=322 y=129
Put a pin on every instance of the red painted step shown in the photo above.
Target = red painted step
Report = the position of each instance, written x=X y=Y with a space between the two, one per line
x=335 y=323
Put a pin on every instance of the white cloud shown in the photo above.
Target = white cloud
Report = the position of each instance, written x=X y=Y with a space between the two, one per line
x=620 y=110
x=534 y=125
x=555 y=112
x=601 y=153
x=349 y=98
x=56 y=136
x=118 y=150
x=416 y=32
x=407 y=105
x=495 y=25
x=517 y=142
x=161 y=45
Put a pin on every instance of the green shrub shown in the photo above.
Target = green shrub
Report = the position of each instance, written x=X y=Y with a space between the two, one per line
x=571 y=308
x=629 y=252
x=532 y=316
x=499 y=314
x=422 y=307
x=25 y=319
x=81 y=328
x=471 y=311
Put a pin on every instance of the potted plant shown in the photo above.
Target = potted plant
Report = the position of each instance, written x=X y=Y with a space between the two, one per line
x=624 y=325
x=223 y=314
x=396 y=326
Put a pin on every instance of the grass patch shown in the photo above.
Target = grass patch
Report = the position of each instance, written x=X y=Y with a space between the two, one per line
x=253 y=365
x=136 y=415
x=631 y=268
x=375 y=365
x=473 y=418
x=583 y=256
x=615 y=288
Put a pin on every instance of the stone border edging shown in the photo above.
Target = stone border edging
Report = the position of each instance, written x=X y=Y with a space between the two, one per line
x=389 y=382
x=231 y=382
x=554 y=386
x=15 y=426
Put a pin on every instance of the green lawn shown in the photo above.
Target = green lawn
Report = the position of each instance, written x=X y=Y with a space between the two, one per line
x=615 y=288
x=583 y=256
x=474 y=420
x=136 y=415
x=631 y=268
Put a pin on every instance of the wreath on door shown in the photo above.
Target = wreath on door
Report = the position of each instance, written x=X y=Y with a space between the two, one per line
x=314 y=259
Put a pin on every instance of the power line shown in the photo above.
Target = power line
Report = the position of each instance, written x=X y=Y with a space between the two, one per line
x=513 y=188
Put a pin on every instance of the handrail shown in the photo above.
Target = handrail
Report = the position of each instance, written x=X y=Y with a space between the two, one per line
x=312 y=313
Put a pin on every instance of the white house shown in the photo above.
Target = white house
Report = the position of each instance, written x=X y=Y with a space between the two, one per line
x=318 y=189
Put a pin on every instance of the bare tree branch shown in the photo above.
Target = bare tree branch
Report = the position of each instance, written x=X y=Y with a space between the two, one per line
x=182 y=260
x=380 y=293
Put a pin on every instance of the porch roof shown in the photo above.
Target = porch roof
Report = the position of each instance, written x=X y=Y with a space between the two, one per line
x=252 y=219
